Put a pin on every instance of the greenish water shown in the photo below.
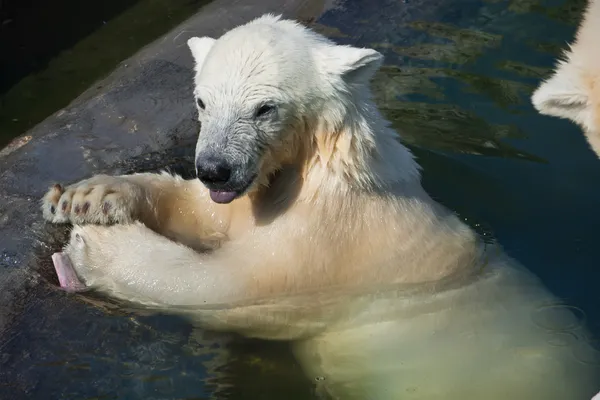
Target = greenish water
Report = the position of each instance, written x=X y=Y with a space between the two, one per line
x=58 y=49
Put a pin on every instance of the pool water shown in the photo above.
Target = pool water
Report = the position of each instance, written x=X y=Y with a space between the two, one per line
x=58 y=49
x=457 y=84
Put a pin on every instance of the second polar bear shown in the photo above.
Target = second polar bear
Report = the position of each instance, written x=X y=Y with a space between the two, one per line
x=320 y=232
x=573 y=90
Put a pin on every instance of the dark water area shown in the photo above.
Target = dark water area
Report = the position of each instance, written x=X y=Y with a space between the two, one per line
x=34 y=32
x=54 y=50
x=457 y=83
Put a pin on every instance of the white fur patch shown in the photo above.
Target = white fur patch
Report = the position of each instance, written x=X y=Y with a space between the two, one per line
x=200 y=48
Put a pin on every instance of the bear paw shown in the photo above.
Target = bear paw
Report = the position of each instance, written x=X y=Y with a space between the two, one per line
x=100 y=200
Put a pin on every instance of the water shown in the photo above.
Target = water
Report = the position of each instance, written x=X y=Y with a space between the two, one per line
x=56 y=50
x=457 y=83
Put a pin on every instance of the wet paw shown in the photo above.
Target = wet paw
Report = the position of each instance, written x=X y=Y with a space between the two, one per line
x=99 y=200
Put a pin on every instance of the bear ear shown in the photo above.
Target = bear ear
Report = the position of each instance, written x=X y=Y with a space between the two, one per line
x=355 y=65
x=562 y=96
x=200 y=48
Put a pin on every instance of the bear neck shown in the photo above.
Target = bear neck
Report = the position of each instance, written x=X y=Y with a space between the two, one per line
x=354 y=147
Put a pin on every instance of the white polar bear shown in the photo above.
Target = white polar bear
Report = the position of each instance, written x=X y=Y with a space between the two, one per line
x=573 y=91
x=309 y=222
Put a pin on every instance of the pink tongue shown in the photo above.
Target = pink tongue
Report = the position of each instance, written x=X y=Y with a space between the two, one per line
x=66 y=274
x=222 y=197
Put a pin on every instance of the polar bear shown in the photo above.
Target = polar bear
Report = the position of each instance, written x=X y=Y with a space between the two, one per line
x=573 y=91
x=308 y=222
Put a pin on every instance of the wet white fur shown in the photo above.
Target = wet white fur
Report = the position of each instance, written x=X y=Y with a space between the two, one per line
x=573 y=90
x=387 y=294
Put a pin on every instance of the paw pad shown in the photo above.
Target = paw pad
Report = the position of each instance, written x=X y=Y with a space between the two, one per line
x=99 y=200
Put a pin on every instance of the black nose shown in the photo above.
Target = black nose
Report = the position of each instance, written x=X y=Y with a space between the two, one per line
x=212 y=171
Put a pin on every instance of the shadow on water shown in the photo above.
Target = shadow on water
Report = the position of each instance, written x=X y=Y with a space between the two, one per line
x=55 y=50
x=456 y=84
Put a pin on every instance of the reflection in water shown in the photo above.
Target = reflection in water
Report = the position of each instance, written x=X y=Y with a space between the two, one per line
x=466 y=44
x=447 y=126
x=442 y=126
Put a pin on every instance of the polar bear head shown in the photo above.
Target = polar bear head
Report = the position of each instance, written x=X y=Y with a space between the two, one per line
x=262 y=90
x=573 y=90
x=573 y=93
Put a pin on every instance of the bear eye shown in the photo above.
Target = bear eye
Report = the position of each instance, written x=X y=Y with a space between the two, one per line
x=264 y=110
x=200 y=103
